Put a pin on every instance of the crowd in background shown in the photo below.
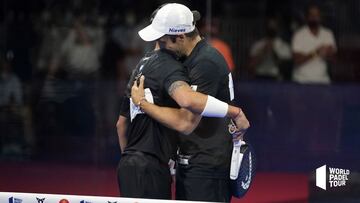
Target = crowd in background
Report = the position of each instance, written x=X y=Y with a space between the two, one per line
x=64 y=65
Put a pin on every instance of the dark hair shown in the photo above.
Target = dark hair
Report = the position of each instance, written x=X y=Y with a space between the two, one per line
x=193 y=33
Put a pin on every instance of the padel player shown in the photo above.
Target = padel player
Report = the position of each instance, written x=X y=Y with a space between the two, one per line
x=204 y=155
x=143 y=170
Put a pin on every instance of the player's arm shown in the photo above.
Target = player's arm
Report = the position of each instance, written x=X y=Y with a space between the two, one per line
x=206 y=105
x=121 y=125
x=198 y=103
x=181 y=120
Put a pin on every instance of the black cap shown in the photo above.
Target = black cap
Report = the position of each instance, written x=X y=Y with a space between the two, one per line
x=196 y=14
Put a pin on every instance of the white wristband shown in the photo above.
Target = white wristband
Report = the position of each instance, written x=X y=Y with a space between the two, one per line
x=215 y=108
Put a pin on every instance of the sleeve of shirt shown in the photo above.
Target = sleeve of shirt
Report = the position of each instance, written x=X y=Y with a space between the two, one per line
x=282 y=49
x=174 y=72
x=330 y=40
x=205 y=76
x=125 y=107
x=297 y=43
x=255 y=49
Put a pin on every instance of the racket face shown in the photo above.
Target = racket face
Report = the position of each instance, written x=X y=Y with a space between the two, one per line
x=242 y=184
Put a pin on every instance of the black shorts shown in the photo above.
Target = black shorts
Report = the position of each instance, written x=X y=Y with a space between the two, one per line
x=201 y=188
x=143 y=176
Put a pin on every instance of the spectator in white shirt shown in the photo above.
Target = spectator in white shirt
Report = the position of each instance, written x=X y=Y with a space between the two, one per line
x=11 y=92
x=269 y=53
x=313 y=46
x=11 y=119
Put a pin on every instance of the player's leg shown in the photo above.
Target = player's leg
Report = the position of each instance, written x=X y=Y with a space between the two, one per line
x=202 y=189
x=130 y=177
x=158 y=181
x=141 y=176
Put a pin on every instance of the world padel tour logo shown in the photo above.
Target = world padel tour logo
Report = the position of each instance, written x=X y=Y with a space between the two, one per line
x=334 y=177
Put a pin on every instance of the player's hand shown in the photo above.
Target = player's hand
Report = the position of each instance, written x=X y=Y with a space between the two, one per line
x=242 y=124
x=137 y=91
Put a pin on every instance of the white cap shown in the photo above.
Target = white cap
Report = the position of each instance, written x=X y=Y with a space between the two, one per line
x=171 y=19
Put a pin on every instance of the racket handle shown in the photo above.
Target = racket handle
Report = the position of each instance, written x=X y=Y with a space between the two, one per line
x=236 y=160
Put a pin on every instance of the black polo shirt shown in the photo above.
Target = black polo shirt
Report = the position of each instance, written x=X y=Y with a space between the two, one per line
x=144 y=133
x=210 y=145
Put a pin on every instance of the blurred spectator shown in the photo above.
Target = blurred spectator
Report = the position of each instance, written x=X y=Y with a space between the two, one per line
x=82 y=49
x=69 y=87
x=270 y=54
x=125 y=36
x=213 y=33
x=313 y=46
x=20 y=39
x=10 y=86
x=11 y=103
x=49 y=28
